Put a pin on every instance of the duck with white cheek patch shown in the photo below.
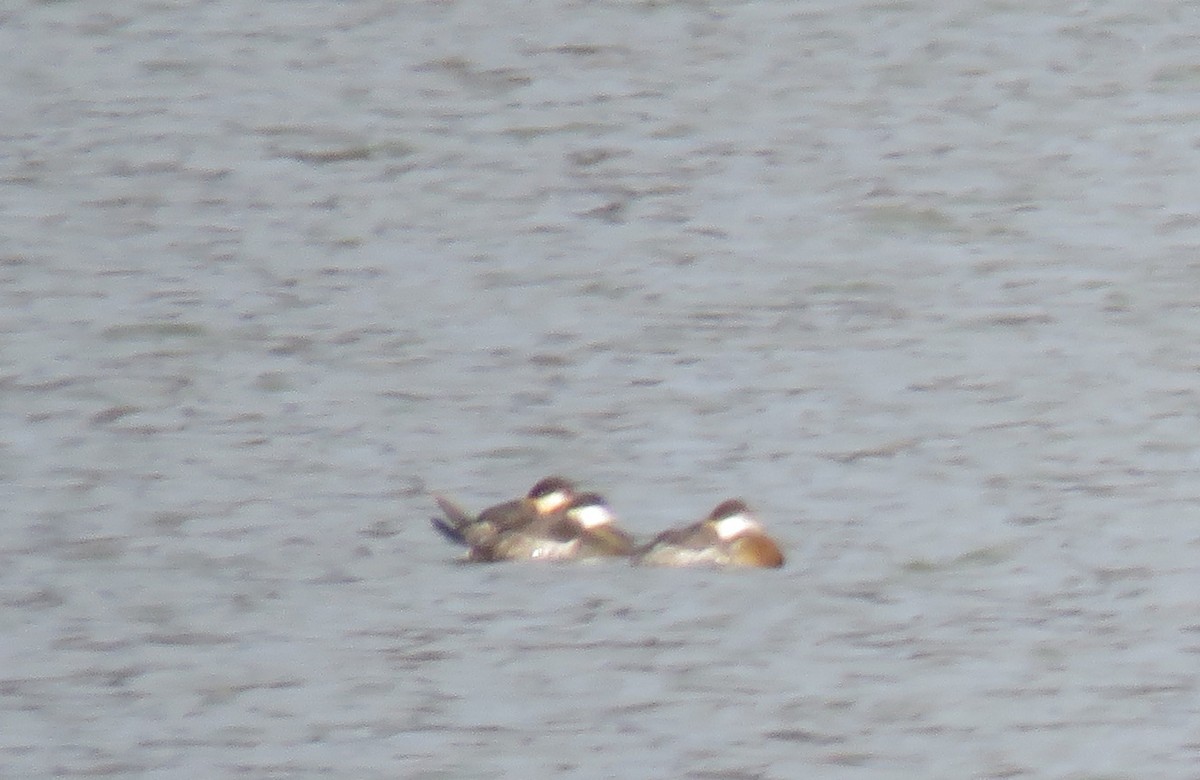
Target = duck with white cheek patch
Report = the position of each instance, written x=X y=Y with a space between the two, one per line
x=548 y=498
x=585 y=528
x=729 y=536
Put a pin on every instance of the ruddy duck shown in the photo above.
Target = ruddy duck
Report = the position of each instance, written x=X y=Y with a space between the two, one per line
x=729 y=536
x=585 y=528
x=548 y=497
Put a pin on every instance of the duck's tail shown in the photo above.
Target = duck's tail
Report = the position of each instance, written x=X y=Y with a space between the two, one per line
x=455 y=525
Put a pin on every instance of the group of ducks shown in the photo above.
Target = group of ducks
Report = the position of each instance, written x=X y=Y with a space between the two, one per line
x=556 y=522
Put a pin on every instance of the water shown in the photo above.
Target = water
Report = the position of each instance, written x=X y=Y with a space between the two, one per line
x=920 y=284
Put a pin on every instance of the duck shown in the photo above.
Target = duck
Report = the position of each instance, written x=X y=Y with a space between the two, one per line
x=730 y=536
x=548 y=497
x=586 y=528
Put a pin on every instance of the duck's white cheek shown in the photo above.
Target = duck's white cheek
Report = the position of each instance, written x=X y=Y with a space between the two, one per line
x=552 y=502
x=735 y=525
x=592 y=516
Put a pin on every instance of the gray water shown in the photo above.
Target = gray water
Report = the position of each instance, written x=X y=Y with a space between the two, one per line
x=919 y=281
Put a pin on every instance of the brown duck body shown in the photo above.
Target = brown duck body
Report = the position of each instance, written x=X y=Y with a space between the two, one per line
x=546 y=498
x=584 y=527
x=560 y=538
x=729 y=536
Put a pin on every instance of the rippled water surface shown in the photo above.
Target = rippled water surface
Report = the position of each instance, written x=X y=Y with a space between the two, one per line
x=919 y=281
